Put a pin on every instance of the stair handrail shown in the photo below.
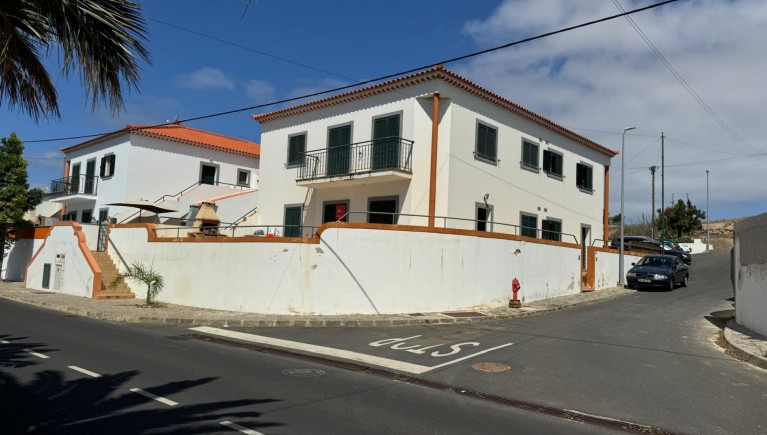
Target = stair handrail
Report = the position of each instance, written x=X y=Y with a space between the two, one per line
x=162 y=198
x=242 y=218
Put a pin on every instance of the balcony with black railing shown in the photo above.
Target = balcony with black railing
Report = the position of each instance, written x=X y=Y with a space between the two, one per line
x=80 y=186
x=387 y=159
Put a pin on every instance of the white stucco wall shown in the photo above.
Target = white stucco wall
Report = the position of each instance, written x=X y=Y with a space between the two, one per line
x=15 y=262
x=412 y=272
x=77 y=276
x=750 y=268
x=607 y=267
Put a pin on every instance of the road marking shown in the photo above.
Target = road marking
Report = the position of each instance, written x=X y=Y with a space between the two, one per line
x=338 y=353
x=39 y=355
x=87 y=372
x=4 y=342
x=153 y=397
x=242 y=429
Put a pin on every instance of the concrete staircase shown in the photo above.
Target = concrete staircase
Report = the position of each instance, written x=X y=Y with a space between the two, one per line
x=108 y=273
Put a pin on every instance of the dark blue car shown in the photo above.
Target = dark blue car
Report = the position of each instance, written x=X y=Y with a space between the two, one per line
x=660 y=271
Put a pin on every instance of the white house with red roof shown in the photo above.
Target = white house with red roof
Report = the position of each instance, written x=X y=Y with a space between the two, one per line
x=160 y=164
x=423 y=193
x=436 y=150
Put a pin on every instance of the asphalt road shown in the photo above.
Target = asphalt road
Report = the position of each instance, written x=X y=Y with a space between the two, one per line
x=648 y=358
x=62 y=374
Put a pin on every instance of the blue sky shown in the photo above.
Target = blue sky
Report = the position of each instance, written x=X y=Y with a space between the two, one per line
x=595 y=81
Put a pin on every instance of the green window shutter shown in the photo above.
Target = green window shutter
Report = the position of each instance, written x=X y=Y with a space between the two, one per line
x=589 y=180
x=292 y=222
x=296 y=149
x=486 y=141
x=102 y=170
x=547 y=161
x=112 y=160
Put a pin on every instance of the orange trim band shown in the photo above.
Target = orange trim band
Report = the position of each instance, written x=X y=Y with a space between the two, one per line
x=606 y=209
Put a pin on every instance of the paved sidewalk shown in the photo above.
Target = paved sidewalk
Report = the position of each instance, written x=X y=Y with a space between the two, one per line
x=745 y=344
x=132 y=311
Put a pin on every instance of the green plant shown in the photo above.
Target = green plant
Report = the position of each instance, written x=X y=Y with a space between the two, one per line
x=145 y=274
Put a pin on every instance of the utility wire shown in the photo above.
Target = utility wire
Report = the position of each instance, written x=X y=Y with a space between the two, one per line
x=386 y=77
x=684 y=83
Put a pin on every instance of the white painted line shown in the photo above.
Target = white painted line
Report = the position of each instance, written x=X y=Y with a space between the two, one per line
x=242 y=429
x=4 y=342
x=153 y=397
x=329 y=351
x=322 y=350
x=87 y=372
x=471 y=356
x=39 y=355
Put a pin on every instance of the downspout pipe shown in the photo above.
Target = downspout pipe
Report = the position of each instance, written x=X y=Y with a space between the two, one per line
x=433 y=167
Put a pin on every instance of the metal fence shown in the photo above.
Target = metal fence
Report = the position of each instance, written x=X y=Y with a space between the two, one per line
x=76 y=184
x=391 y=153
x=310 y=231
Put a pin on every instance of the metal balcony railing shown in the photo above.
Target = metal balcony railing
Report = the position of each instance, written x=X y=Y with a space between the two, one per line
x=391 y=153
x=74 y=185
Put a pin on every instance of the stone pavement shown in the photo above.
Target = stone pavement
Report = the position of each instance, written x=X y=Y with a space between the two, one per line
x=132 y=311
x=745 y=344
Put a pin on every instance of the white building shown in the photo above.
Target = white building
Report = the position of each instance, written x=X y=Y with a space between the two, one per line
x=154 y=163
x=432 y=144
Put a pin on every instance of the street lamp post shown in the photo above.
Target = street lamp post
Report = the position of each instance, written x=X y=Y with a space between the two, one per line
x=708 y=222
x=621 y=274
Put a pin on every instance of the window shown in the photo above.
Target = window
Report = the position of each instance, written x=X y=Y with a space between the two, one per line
x=552 y=163
x=243 y=177
x=583 y=176
x=335 y=211
x=529 y=154
x=529 y=224
x=90 y=177
x=386 y=142
x=551 y=230
x=292 y=221
x=86 y=216
x=207 y=174
x=296 y=150
x=107 y=166
x=484 y=213
x=487 y=138
x=382 y=210
x=339 y=150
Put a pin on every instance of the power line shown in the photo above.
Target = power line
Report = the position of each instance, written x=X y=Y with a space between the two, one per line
x=684 y=83
x=386 y=77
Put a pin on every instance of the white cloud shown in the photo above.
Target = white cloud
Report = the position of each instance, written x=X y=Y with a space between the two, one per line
x=599 y=79
x=206 y=78
x=260 y=91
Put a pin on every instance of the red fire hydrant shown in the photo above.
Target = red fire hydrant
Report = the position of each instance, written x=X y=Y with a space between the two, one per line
x=514 y=302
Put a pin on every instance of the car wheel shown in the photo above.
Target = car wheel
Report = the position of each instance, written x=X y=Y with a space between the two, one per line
x=670 y=286
x=686 y=279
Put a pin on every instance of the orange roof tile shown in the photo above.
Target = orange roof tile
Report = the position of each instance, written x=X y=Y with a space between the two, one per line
x=182 y=134
x=436 y=73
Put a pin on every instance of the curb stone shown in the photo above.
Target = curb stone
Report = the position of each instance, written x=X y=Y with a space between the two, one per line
x=745 y=344
x=122 y=311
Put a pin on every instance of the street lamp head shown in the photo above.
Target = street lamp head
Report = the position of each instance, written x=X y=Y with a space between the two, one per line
x=628 y=128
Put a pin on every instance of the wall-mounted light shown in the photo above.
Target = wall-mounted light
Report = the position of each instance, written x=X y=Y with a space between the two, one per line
x=487 y=195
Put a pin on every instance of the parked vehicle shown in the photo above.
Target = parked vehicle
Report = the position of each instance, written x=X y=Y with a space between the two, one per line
x=684 y=256
x=627 y=241
x=660 y=271
x=655 y=246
